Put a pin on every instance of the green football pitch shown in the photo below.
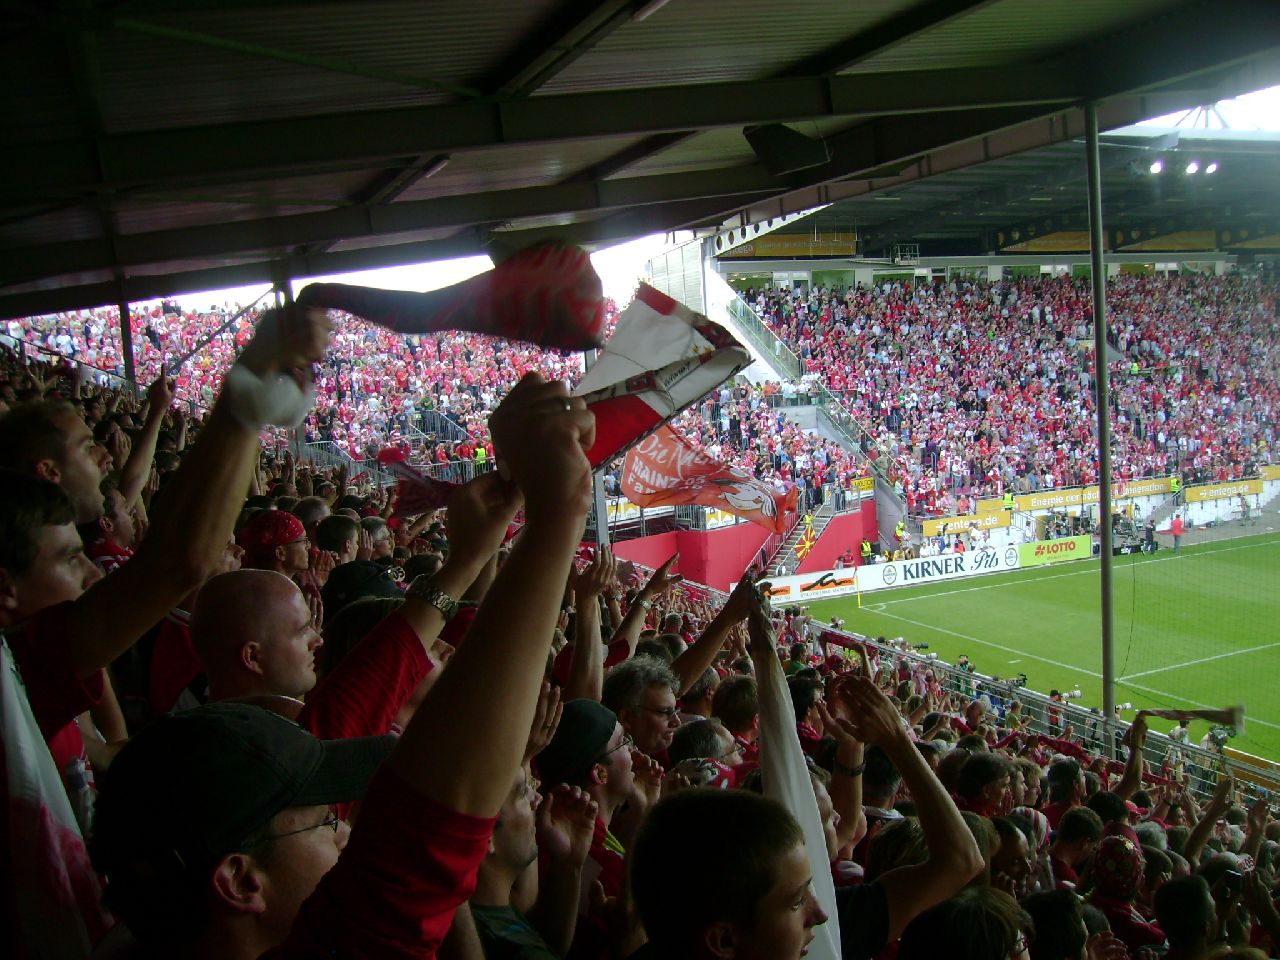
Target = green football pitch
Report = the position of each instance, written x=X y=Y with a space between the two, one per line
x=1200 y=628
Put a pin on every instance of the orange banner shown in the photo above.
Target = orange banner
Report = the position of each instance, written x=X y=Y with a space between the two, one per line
x=665 y=469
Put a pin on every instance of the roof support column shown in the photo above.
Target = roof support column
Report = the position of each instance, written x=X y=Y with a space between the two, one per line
x=126 y=339
x=1098 y=277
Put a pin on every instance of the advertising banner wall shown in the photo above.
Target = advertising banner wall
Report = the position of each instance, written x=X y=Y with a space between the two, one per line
x=1055 y=551
x=1222 y=491
x=809 y=587
x=983 y=521
x=1079 y=496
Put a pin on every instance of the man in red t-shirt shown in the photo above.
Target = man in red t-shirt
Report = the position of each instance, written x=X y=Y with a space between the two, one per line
x=84 y=625
x=110 y=539
x=1066 y=789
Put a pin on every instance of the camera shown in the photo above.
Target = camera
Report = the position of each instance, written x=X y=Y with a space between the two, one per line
x=919 y=646
x=1219 y=736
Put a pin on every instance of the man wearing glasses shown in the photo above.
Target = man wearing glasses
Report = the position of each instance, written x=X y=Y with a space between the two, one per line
x=591 y=750
x=275 y=540
x=642 y=693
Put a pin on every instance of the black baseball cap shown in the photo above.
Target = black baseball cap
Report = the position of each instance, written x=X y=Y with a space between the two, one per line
x=357 y=580
x=586 y=727
x=194 y=786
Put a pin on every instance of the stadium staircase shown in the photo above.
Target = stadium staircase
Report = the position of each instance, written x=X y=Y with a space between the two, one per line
x=834 y=419
x=786 y=552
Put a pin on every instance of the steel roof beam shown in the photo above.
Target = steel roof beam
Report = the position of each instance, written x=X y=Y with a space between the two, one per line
x=884 y=36
x=554 y=46
x=293 y=147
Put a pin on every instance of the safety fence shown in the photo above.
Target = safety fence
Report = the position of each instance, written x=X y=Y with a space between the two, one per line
x=1039 y=714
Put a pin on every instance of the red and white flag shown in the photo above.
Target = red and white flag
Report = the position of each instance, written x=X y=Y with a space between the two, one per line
x=665 y=469
x=548 y=295
x=662 y=358
x=51 y=888
x=416 y=493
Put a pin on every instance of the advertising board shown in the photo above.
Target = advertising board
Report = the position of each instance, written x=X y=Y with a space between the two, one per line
x=1055 y=551
x=1222 y=491
x=982 y=521
x=823 y=585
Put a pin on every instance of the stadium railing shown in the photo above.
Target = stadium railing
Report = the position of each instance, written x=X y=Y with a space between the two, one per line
x=1162 y=752
x=1201 y=767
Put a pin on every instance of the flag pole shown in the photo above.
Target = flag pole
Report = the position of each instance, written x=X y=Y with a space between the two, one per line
x=599 y=501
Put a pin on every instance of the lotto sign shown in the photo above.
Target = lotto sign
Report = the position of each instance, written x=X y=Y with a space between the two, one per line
x=1055 y=551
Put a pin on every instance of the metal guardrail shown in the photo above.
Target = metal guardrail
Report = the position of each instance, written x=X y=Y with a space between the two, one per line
x=1200 y=766
x=765 y=340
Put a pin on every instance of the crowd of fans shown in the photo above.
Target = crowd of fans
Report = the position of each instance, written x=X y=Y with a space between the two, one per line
x=372 y=386
x=288 y=722
x=971 y=388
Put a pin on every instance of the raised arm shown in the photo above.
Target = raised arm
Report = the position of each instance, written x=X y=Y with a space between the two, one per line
x=953 y=859
x=846 y=777
x=493 y=681
x=368 y=688
x=190 y=528
x=138 y=466
x=586 y=661
x=693 y=663
x=1203 y=830
x=657 y=585
x=1135 y=765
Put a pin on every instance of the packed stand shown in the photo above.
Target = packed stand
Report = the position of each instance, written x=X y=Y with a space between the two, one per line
x=365 y=400
x=971 y=388
x=291 y=723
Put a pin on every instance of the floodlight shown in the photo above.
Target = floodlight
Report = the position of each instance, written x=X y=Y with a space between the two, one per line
x=1193 y=167
x=1157 y=166
x=1211 y=168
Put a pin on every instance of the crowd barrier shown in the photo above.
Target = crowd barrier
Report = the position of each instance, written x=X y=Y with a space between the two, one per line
x=1046 y=717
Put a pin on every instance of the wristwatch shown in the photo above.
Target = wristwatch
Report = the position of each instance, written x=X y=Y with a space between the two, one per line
x=647 y=604
x=423 y=589
x=840 y=769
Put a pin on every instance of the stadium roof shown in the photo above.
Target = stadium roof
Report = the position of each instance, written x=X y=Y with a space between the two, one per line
x=1036 y=201
x=162 y=147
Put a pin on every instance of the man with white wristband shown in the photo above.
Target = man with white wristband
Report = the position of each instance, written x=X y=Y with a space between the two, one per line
x=61 y=650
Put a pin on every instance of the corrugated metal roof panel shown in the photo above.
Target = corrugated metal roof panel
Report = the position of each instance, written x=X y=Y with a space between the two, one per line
x=154 y=82
x=708 y=150
x=72 y=223
x=1013 y=31
x=506 y=168
x=702 y=41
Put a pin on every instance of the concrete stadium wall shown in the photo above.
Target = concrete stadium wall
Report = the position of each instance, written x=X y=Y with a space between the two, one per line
x=716 y=558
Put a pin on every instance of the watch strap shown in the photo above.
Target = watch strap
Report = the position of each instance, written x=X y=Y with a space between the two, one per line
x=423 y=589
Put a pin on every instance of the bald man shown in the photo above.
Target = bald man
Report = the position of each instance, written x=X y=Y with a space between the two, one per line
x=253 y=631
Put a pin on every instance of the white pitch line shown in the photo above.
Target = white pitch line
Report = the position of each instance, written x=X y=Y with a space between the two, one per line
x=996 y=646
x=1192 y=663
x=1068 y=666
x=1074 y=573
